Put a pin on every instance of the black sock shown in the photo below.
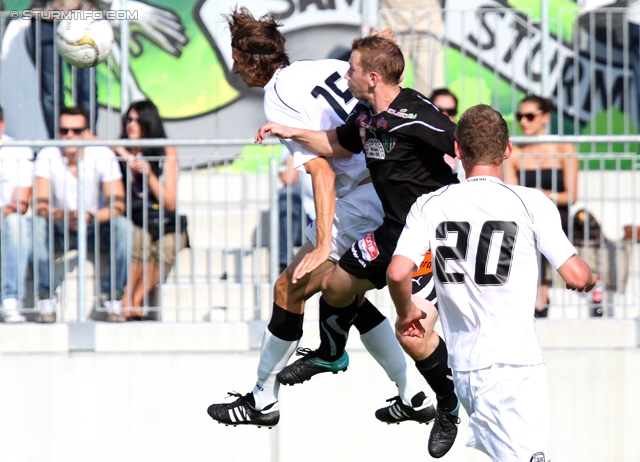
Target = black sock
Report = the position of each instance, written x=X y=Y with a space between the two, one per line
x=285 y=325
x=368 y=317
x=334 y=329
x=436 y=372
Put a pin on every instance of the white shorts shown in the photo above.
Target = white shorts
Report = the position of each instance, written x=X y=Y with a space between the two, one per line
x=357 y=213
x=508 y=408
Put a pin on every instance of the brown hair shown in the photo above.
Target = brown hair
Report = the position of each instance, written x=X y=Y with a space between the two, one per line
x=76 y=110
x=483 y=135
x=258 y=42
x=380 y=55
x=544 y=104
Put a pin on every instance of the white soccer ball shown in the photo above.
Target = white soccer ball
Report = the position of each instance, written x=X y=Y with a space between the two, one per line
x=84 y=42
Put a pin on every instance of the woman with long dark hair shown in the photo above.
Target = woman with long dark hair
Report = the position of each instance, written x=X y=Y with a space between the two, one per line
x=151 y=182
x=549 y=167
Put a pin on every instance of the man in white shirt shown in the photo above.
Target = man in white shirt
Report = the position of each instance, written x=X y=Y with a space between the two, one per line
x=56 y=172
x=484 y=251
x=313 y=95
x=16 y=177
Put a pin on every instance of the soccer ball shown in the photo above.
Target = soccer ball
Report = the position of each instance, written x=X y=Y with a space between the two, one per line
x=84 y=42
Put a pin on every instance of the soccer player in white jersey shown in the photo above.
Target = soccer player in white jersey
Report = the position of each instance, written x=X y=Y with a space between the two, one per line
x=312 y=94
x=484 y=251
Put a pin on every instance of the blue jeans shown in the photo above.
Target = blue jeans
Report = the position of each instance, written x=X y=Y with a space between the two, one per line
x=123 y=239
x=295 y=232
x=48 y=76
x=15 y=255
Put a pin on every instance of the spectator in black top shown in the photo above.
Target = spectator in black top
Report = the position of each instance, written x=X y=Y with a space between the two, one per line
x=404 y=137
x=151 y=189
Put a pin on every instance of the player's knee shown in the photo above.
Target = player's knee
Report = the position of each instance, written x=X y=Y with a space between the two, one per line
x=282 y=286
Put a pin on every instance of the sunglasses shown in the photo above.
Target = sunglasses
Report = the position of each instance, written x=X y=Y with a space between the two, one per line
x=76 y=131
x=449 y=112
x=129 y=120
x=529 y=116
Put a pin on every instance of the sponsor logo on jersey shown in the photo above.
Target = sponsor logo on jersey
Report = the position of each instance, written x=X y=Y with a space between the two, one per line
x=401 y=113
x=368 y=247
x=388 y=142
x=538 y=457
x=362 y=117
x=425 y=266
x=363 y=135
x=382 y=123
x=374 y=149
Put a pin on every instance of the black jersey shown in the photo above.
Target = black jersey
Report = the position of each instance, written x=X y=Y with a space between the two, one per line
x=404 y=148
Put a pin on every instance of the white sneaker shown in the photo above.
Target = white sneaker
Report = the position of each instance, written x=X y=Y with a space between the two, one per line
x=47 y=310
x=113 y=311
x=10 y=313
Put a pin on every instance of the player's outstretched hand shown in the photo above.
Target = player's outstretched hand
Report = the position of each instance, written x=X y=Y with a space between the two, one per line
x=409 y=325
x=310 y=262
x=272 y=129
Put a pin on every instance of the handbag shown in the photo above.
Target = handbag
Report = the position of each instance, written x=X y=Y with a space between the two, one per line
x=154 y=224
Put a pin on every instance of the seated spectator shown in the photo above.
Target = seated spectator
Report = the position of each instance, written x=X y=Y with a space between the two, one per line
x=153 y=185
x=294 y=197
x=447 y=102
x=16 y=177
x=550 y=167
x=56 y=172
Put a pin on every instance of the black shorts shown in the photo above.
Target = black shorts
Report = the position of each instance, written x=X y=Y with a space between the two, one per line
x=370 y=257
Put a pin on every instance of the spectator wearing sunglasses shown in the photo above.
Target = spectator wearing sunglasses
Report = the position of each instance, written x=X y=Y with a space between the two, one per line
x=56 y=191
x=152 y=183
x=447 y=102
x=550 y=167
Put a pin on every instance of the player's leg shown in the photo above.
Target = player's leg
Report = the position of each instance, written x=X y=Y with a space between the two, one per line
x=379 y=339
x=335 y=323
x=280 y=340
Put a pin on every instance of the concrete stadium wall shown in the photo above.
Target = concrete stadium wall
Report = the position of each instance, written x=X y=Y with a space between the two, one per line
x=142 y=391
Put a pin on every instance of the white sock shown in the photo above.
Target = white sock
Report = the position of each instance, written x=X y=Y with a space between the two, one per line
x=274 y=355
x=382 y=344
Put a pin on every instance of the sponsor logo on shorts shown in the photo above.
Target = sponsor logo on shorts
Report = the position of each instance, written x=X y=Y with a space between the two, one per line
x=356 y=255
x=374 y=149
x=368 y=247
x=538 y=457
x=382 y=123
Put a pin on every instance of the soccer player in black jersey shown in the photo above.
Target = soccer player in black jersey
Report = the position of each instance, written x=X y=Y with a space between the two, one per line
x=404 y=137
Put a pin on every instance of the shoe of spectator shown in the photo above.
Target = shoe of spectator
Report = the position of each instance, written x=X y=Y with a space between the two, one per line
x=47 y=310
x=10 y=313
x=113 y=311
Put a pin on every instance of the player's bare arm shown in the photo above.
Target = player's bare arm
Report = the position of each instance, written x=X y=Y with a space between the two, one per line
x=577 y=274
x=399 y=282
x=324 y=144
x=324 y=196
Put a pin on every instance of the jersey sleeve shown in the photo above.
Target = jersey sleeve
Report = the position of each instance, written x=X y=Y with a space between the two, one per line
x=552 y=241
x=414 y=240
x=349 y=134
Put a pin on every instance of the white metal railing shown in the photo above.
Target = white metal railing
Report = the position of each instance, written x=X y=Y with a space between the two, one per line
x=231 y=207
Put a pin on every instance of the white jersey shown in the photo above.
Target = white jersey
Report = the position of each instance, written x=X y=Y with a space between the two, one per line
x=314 y=95
x=483 y=236
x=100 y=166
x=16 y=170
